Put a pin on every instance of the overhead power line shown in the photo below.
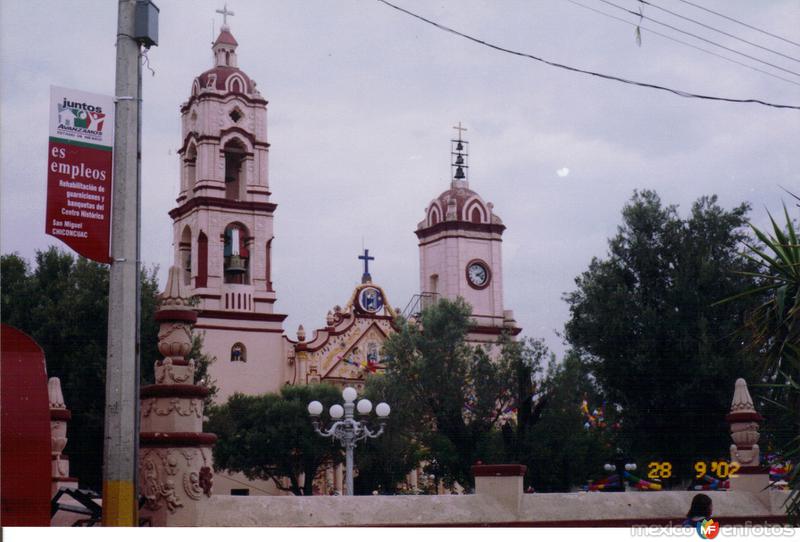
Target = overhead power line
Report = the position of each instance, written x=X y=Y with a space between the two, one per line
x=645 y=2
x=740 y=22
x=701 y=38
x=712 y=53
x=681 y=93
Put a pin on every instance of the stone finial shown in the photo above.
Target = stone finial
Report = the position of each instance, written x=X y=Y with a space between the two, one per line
x=175 y=317
x=174 y=295
x=744 y=422
x=55 y=394
x=329 y=319
x=301 y=333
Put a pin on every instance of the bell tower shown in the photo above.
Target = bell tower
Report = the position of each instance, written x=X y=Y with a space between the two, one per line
x=223 y=224
x=460 y=243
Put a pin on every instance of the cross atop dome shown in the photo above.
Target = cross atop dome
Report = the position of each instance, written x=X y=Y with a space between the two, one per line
x=366 y=277
x=459 y=153
x=225 y=46
x=224 y=12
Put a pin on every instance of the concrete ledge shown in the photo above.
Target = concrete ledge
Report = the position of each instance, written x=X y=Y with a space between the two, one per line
x=545 y=510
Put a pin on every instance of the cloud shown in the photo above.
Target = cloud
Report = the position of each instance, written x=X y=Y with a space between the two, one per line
x=563 y=172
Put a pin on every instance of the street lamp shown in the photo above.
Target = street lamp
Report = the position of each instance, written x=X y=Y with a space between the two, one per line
x=348 y=431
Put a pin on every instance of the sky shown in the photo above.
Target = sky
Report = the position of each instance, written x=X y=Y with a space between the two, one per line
x=362 y=101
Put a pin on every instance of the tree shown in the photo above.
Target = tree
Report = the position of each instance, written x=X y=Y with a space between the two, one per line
x=560 y=452
x=454 y=393
x=644 y=318
x=270 y=436
x=63 y=304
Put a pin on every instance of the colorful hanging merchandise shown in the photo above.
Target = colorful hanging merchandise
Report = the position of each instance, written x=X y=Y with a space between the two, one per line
x=641 y=484
x=711 y=484
x=595 y=419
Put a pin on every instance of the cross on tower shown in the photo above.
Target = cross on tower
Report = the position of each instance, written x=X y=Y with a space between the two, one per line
x=460 y=130
x=366 y=257
x=224 y=12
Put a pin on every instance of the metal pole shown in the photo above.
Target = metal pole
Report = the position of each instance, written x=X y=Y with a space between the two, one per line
x=348 y=461
x=122 y=383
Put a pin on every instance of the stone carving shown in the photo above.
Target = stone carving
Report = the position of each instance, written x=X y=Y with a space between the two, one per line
x=206 y=480
x=191 y=485
x=168 y=373
x=175 y=404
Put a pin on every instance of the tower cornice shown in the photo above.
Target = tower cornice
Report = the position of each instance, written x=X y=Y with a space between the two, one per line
x=456 y=226
x=221 y=97
x=221 y=203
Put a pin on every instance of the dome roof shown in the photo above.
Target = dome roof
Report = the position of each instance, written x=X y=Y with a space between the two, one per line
x=459 y=203
x=224 y=78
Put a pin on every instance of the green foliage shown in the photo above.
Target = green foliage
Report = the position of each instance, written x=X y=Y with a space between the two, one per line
x=271 y=436
x=384 y=462
x=560 y=453
x=62 y=302
x=645 y=320
x=453 y=396
x=773 y=328
x=438 y=374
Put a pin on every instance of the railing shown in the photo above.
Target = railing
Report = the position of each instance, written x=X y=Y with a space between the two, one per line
x=418 y=303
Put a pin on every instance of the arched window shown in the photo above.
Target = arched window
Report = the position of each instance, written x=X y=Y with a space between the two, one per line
x=234 y=158
x=238 y=352
x=434 y=215
x=236 y=255
x=476 y=215
x=268 y=276
x=190 y=168
x=185 y=248
x=202 y=261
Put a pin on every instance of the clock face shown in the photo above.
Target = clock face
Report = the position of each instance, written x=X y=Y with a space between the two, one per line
x=478 y=274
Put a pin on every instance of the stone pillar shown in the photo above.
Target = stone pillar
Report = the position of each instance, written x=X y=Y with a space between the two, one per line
x=504 y=482
x=175 y=461
x=744 y=422
x=59 y=416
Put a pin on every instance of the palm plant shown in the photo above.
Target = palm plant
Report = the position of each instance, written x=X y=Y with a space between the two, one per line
x=774 y=332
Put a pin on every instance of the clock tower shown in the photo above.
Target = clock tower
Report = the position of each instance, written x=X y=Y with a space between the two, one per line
x=460 y=243
x=223 y=225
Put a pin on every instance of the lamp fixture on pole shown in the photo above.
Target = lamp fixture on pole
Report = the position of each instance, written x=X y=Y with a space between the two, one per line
x=346 y=429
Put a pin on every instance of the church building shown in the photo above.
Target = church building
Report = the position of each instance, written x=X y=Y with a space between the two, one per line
x=223 y=231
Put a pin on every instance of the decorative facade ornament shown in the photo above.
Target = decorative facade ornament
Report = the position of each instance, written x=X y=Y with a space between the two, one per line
x=744 y=422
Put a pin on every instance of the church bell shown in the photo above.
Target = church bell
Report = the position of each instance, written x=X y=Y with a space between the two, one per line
x=235 y=265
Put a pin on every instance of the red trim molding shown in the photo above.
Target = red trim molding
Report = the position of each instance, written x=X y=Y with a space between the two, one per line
x=236 y=315
x=752 y=470
x=222 y=203
x=498 y=470
x=456 y=225
x=60 y=415
x=495 y=330
x=173 y=390
x=188 y=315
x=740 y=417
x=176 y=440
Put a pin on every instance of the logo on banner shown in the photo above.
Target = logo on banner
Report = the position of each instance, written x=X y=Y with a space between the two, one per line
x=80 y=119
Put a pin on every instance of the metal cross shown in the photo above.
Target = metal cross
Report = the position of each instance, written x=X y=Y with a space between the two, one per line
x=460 y=129
x=224 y=11
x=366 y=257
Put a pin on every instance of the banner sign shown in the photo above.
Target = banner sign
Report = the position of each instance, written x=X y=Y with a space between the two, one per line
x=79 y=170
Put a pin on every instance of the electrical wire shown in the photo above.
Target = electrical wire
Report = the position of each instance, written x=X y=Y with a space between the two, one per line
x=680 y=93
x=684 y=43
x=701 y=38
x=712 y=53
x=645 y=2
x=740 y=22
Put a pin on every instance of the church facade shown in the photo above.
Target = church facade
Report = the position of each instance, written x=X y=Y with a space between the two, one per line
x=223 y=231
